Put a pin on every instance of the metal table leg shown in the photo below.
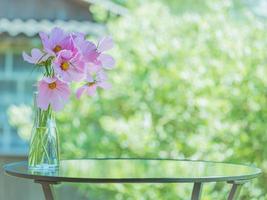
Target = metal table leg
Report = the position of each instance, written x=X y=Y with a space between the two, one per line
x=47 y=189
x=196 y=193
x=235 y=190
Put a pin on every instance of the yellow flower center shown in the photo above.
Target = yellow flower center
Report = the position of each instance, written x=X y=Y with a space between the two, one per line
x=57 y=48
x=65 y=66
x=90 y=84
x=52 y=85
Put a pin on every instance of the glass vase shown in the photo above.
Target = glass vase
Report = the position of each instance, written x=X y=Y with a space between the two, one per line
x=44 y=144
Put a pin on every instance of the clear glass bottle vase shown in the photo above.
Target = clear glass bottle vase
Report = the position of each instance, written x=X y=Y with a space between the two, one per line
x=44 y=143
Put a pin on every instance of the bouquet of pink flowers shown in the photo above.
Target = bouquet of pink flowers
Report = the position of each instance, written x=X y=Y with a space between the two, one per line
x=67 y=58
x=64 y=58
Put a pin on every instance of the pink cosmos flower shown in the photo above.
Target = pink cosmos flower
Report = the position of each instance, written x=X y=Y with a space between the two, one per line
x=93 y=81
x=95 y=54
x=69 y=67
x=52 y=91
x=87 y=49
x=70 y=57
x=37 y=56
x=55 y=42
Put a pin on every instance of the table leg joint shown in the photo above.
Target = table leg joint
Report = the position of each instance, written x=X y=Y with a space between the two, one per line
x=197 y=189
x=235 y=190
x=48 y=189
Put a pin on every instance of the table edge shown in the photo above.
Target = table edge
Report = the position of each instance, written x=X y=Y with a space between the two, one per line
x=134 y=180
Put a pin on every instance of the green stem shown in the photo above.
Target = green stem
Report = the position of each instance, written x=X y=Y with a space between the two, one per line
x=40 y=139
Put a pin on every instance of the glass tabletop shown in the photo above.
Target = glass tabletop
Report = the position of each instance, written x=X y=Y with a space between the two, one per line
x=111 y=170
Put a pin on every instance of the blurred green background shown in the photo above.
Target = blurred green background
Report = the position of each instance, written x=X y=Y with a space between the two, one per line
x=190 y=82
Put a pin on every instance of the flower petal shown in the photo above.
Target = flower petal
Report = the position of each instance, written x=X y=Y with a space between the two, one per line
x=87 y=49
x=101 y=76
x=89 y=78
x=66 y=54
x=92 y=67
x=105 y=85
x=57 y=34
x=28 y=58
x=107 y=61
x=56 y=102
x=64 y=92
x=73 y=75
x=106 y=43
x=80 y=91
x=45 y=40
x=91 y=90
x=43 y=96
x=49 y=79
x=37 y=56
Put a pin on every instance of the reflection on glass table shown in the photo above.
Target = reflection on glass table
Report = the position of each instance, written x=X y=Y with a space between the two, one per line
x=105 y=170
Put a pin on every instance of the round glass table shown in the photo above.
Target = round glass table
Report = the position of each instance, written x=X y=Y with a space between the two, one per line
x=125 y=170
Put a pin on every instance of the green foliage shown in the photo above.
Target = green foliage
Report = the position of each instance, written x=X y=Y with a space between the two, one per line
x=186 y=86
x=191 y=85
